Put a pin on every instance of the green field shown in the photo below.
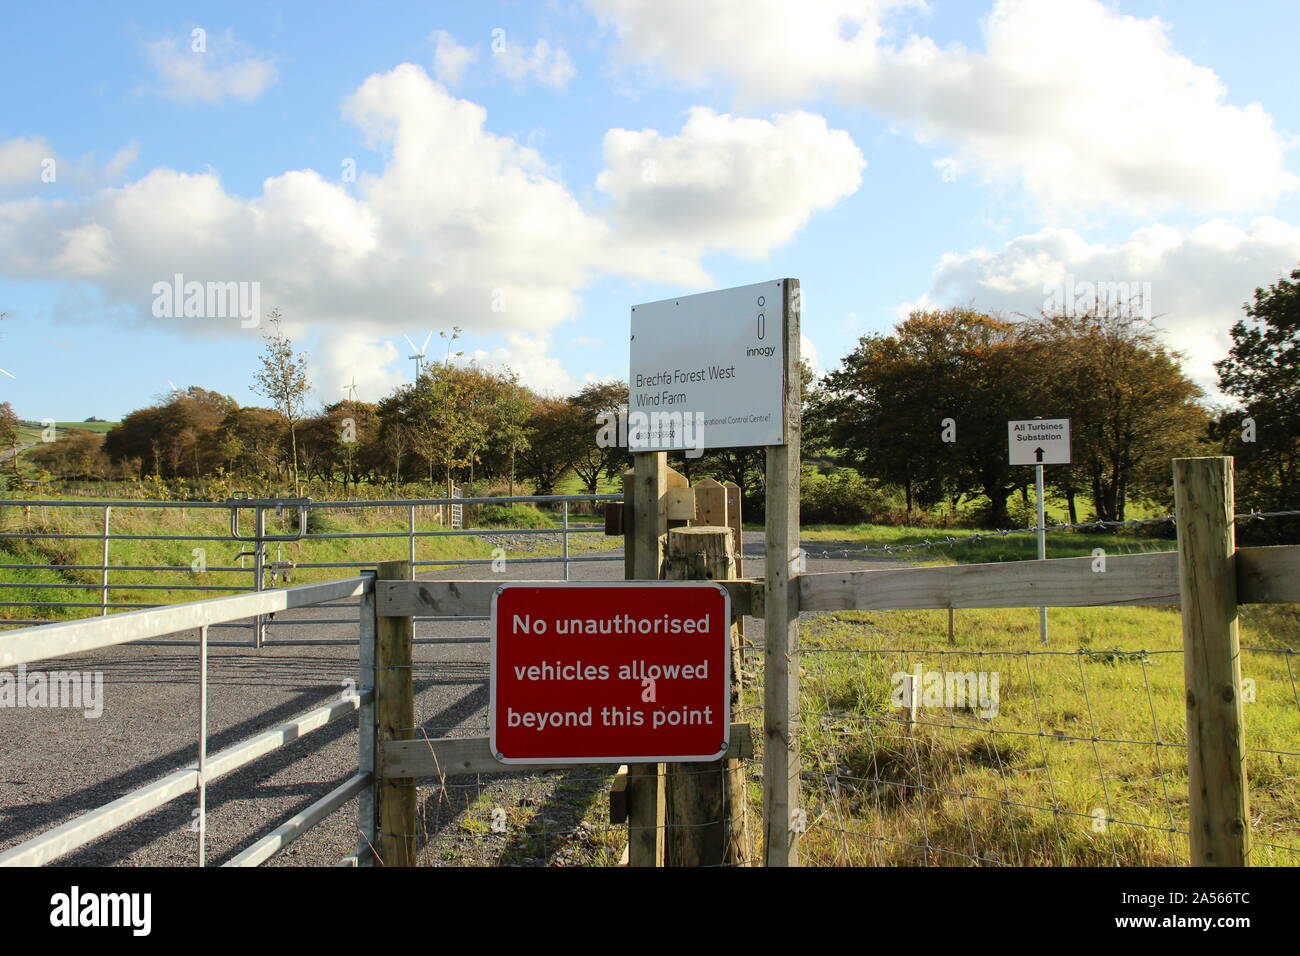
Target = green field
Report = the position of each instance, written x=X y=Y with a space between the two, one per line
x=1075 y=729
x=31 y=431
x=978 y=786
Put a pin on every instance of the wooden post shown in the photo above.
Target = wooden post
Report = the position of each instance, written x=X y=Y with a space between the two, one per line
x=644 y=552
x=628 y=522
x=649 y=514
x=1216 y=745
x=367 y=744
x=781 y=766
x=707 y=815
x=710 y=503
x=717 y=504
x=395 y=720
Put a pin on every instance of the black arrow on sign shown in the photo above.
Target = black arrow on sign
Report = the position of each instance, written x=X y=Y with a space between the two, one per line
x=1038 y=454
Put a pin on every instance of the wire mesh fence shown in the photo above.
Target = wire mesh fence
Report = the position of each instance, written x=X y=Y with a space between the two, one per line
x=926 y=744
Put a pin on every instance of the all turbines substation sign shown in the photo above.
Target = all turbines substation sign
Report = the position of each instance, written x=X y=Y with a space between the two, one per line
x=707 y=370
x=1039 y=441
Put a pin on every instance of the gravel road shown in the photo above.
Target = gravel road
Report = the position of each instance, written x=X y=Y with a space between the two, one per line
x=56 y=764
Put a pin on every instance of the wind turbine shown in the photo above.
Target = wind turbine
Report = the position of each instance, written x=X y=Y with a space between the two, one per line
x=351 y=389
x=419 y=352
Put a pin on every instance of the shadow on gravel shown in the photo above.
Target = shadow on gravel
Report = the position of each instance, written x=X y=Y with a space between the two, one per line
x=38 y=817
x=245 y=783
x=252 y=782
x=551 y=807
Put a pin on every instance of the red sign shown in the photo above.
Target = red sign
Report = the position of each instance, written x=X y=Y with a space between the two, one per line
x=610 y=672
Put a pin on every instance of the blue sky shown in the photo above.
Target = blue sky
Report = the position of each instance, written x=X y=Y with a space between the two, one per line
x=529 y=171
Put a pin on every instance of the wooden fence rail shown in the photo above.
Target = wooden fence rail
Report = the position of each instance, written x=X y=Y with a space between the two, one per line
x=1268 y=575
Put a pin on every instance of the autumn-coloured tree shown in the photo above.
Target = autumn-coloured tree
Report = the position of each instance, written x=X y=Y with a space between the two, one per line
x=1131 y=407
x=176 y=436
x=1262 y=372
x=926 y=407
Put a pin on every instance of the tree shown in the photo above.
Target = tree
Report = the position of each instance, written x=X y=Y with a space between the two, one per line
x=499 y=406
x=591 y=461
x=75 y=454
x=9 y=423
x=1131 y=407
x=179 y=434
x=553 y=428
x=507 y=413
x=433 y=413
x=252 y=438
x=283 y=379
x=1262 y=372
x=926 y=408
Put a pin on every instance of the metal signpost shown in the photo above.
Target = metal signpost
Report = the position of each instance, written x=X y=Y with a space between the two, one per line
x=721 y=370
x=1042 y=441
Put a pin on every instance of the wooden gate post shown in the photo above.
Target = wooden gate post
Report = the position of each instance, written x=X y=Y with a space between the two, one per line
x=707 y=818
x=645 y=528
x=1216 y=746
x=395 y=718
x=782 y=817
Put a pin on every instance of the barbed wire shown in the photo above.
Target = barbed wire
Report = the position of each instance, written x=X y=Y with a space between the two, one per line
x=1261 y=515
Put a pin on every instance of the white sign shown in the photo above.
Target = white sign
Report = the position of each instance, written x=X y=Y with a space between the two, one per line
x=707 y=370
x=1042 y=441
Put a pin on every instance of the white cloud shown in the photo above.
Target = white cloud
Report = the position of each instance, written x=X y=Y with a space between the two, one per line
x=1198 y=279
x=1085 y=107
x=346 y=357
x=450 y=59
x=21 y=162
x=459 y=220
x=550 y=67
x=223 y=69
x=726 y=182
x=29 y=163
x=460 y=226
x=530 y=357
x=808 y=352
